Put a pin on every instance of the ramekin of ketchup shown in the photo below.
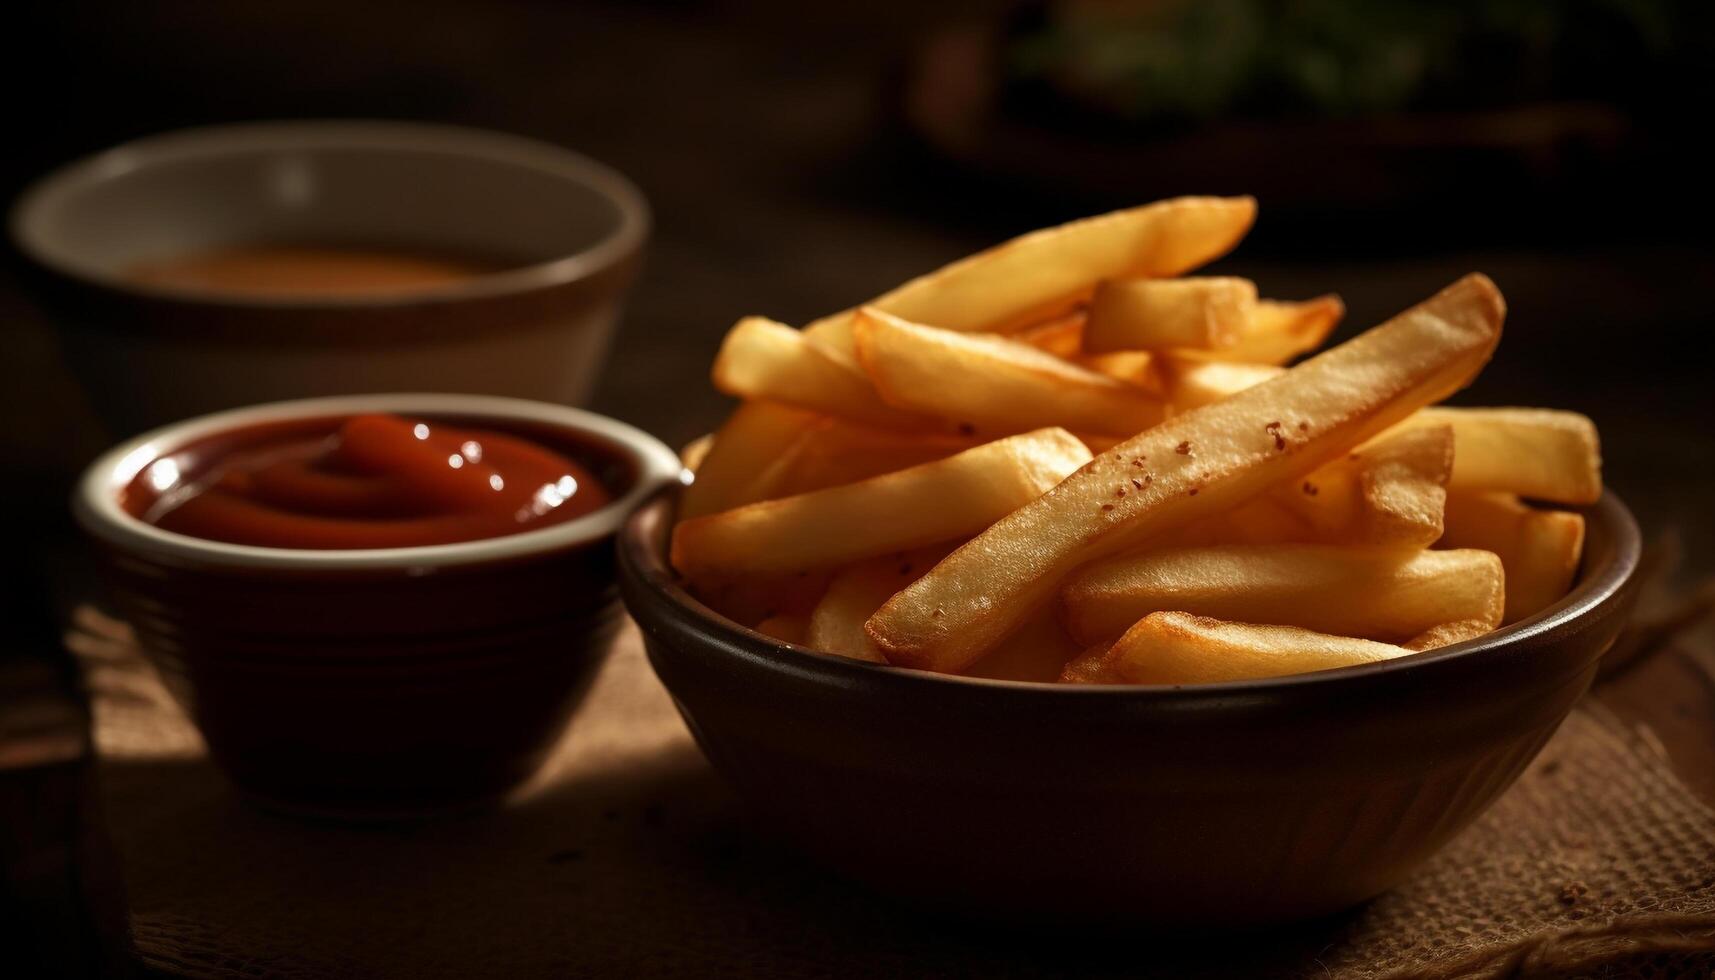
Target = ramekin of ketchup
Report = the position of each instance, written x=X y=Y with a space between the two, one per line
x=378 y=605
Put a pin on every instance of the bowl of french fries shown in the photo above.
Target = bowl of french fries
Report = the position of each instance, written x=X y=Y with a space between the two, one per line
x=1060 y=582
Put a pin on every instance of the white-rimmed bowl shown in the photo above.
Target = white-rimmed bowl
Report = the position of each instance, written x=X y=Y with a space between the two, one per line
x=377 y=682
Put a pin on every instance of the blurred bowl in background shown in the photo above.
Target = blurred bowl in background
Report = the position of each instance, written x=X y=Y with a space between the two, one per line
x=559 y=236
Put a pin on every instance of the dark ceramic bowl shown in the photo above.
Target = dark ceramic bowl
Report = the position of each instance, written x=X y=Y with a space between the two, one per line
x=379 y=682
x=1216 y=804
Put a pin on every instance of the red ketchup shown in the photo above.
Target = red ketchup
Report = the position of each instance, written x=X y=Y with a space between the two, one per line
x=375 y=481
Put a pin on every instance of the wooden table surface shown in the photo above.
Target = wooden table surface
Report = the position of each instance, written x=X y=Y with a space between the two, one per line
x=780 y=188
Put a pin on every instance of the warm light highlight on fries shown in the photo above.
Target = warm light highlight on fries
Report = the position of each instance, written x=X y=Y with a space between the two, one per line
x=744 y=460
x=1379 y=595
x=1179 y=648
x=950 y=498
x=1045 y=273
x=1539 y=548
x=1205 y=313
x=1540 y=453
x=1196 y=464
x=995 y=385
x=763 y=359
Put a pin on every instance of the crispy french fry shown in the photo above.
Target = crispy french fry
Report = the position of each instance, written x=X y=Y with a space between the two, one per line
x=1541 y=453
x=1038 y=651
x=1192 y=383
x=762 y=359
x=1201 y=312
x=993 y=385
x=1389 y=493
x=746 y=458
x=1062 y=336
x=837 y=452
x=1279 y=331
x=785 y=627
x=1378 y=595
x=1137 y=367
x=1447 y=634
x=1089 y=667
x=1179 y=648
x=836 y=624
x=755 y=599
x=1539 y=548
x=1046 y=272
x=1204 y=462
x=692 y=454
x=950 y=498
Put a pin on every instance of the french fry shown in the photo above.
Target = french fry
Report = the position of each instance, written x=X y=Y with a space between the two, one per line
x=756 y=599
x=836 y=624
x=762 y=359
x=1038 y=651
x=1540 y=453
x=836 y=452
x=1279 y=331
x=1539 y=548
x=746 y=458
x=1192 y=383
x=950 y=498
x=1089 y=667
x=1389 y=493
x=1203 y=462
x=1047 y=272
x=994 y=385
x=1204 y=312
x=1377 y=595
x=1137 y=367
x=1063 y=336
x=1447 y=634
x=1179 y=648
x=692 y=454
x=1258 y=521
x=785 y=627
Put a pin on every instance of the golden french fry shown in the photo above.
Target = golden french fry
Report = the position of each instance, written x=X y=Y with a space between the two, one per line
x=1205 y=312
x=1379 y=595
x=1137 y=367
x=994 y=385
x=692 y=454
x=1046 y=272
x=1089 y=667
x=950 y=498
x=1447 y=634
x=1192 y=383
x=1038 y=651
x=1541 y=453
x=785 y=627
x=747 y=457
x=1539 y=548
x=836 y=624
x=1279 y=331
x=1179 y=648
x=1062 y=336
x=755 y=599
x=762 y=359
x=836 y=452
x=1203 y=462
x=1390 y=492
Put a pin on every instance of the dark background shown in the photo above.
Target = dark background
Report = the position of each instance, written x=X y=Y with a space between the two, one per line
x=786 y=180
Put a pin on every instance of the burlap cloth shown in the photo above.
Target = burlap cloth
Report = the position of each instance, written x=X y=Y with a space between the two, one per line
x=626 y=857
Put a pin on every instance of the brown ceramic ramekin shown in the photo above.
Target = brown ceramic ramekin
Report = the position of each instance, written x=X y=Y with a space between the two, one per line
x=566 y=232
x=1216 y=804
x=382 y=682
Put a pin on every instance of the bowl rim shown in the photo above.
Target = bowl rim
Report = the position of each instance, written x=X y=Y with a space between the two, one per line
x=95 y=501
x=644 y=561
x=195 y=143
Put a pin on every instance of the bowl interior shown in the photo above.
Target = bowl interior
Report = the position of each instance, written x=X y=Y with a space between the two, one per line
x=466 y=193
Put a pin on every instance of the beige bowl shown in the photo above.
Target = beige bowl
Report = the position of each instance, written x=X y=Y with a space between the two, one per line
x=151 y=354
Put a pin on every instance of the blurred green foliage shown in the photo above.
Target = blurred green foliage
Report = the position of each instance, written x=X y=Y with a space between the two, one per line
x=1197 y=59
